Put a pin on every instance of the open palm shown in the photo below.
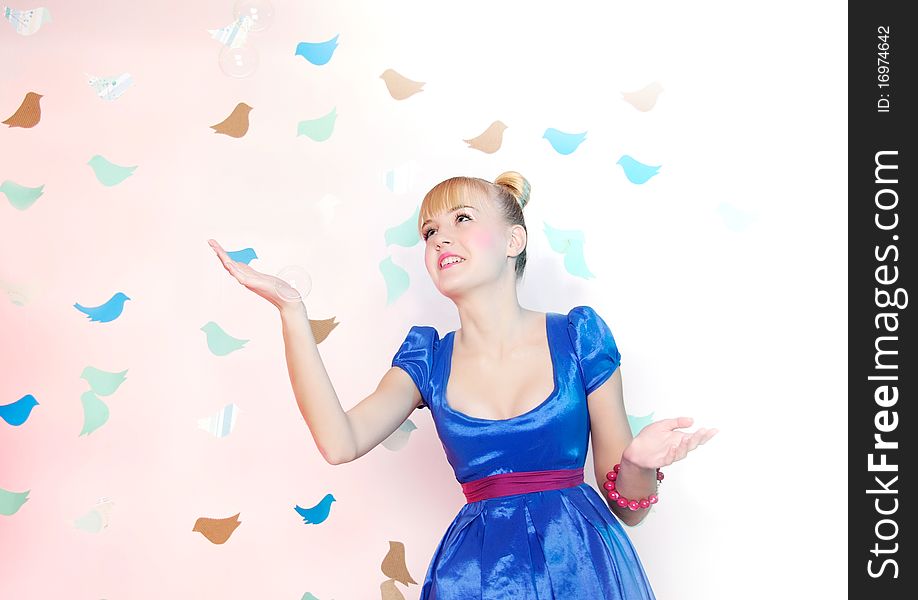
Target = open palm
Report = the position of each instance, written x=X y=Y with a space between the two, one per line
x=268 y=287
x=659 y=444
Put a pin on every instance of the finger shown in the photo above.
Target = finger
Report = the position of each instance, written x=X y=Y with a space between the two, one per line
x=228 y=263
x=675 y=423
x=683 y=448
x=669 y=456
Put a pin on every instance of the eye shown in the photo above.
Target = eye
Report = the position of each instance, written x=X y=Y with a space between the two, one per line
x=426 y=233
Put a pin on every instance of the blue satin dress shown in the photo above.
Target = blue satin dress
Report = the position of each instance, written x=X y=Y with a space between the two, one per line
x=559 y=544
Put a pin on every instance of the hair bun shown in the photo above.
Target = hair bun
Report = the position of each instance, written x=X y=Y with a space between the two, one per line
x=516 y=184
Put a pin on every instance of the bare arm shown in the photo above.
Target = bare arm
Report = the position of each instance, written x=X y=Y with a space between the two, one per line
x=610 y=435
x=341 y=436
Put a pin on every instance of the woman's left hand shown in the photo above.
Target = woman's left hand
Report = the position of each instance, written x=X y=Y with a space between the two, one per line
x=659 y=444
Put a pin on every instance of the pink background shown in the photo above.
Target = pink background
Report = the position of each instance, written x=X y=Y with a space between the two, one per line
x=711 y=319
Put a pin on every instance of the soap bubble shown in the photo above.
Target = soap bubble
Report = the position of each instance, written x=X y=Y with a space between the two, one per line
x=295 y=283
x=260 y=11
x=238 y=62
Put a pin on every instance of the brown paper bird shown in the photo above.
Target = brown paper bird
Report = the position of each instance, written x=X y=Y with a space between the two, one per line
x=389 y=591
x=237 y=124
x=490 y=140
x=217 y=530
x=321 y=328
x=645 y=98
x=29 y=112
x=393 y=565
x=400 y=87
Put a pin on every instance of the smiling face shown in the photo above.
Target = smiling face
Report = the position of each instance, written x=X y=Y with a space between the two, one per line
x=468 y=242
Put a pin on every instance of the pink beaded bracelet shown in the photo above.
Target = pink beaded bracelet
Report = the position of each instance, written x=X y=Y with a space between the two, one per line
x=609 y=485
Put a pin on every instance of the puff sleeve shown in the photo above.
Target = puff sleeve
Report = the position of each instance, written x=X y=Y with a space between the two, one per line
x=596 y=350
x=415 y=357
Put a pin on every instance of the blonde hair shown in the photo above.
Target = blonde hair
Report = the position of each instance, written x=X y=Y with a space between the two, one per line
x=509 y=191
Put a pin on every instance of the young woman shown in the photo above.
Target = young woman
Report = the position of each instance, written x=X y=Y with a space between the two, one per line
x=516 y=396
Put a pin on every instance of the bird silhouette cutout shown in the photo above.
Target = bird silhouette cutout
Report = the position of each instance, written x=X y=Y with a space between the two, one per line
x=21 y=197
x=29 y=112
x=399 y=86
x=393 y=565
x=396 y=279
x=219 y=342
x=26 y=22
x=318 y=129
x=733 y=217
x=569 y=242
x=318 y=53
x=405 y=233
x=222 y=423
x=237 y=124
x=103 y=383
x=563 y=143
x=638 y=423
x=318 y=513
x=217 y=531
x=104 y=313
x=11 y=502
x=235 y=34
x=398 y=439
x=321 y=328
x=401 y=179
x=645 y=98
x=389 y=591
x=95 y=413
x=636 y=172
x=490 y=140
x=16 y=413
x=107 y=172
x=246 y=255
x=97 y=518
x=110 y=88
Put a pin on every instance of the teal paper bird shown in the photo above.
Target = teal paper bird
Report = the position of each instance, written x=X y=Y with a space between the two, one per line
x=318 y=53
x=243 y=256
x=563 y=143
x=219 y=342
x=17 y=412
x=569 y=242
x=20 y=196
x=405 y=233
x=104 y=313
x=103 y=383
x=107 y=172
x=317 y=513
x=636 y=172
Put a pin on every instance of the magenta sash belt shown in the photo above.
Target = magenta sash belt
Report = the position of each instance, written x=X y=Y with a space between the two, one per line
x=523 y=482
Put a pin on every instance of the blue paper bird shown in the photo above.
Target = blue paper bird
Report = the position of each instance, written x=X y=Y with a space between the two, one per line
x=317 y=513
x=244 y=256
x=318 y=53
x=17 y=412
x=635 y=171
x=104 y=313
x=563 y=143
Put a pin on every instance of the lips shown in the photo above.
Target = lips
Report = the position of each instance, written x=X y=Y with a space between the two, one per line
x=451 y=263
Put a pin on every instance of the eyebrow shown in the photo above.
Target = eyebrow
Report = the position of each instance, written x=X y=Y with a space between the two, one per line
x=451 y=211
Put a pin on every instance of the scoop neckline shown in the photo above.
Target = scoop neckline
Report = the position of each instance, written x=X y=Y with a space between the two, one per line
x=449 y=369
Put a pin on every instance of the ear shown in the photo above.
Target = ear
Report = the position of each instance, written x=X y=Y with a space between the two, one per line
x=517 y=240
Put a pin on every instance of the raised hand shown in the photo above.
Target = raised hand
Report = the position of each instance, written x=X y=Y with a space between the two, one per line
x=659 y=444
x=266 y=286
